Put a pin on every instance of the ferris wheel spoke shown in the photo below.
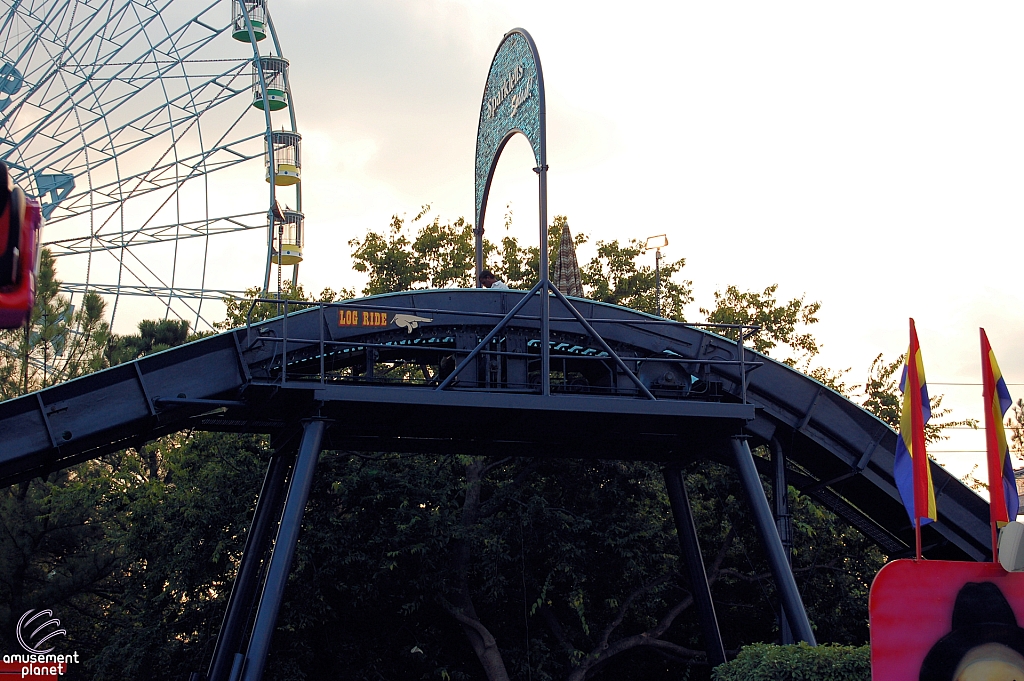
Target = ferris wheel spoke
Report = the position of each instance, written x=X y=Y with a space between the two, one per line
x=67 y=98
x=158 y=234
x=166 y=297
x=161 y=292
x=54 y=66
x=157 y=178
x=221 y=93
x=140 y=136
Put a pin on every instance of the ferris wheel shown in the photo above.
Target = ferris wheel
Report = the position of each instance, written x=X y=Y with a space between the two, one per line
x=160 y=137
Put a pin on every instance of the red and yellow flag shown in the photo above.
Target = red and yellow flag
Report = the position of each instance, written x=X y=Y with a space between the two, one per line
x=1002 y=487
x=913 y=476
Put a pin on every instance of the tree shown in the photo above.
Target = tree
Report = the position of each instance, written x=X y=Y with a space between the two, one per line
x=66 y=539
x=389 y=258
x=58 y=344
x=781 y=324
x=883 y=398
x=242 y=310
x=613 y=276
x=153 y=336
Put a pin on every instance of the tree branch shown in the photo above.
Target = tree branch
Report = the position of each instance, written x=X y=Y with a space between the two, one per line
x=487 y=469
x=651 y=638
x=627 y=603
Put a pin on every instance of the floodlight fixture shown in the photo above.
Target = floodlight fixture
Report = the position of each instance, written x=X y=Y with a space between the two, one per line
x=657 y=241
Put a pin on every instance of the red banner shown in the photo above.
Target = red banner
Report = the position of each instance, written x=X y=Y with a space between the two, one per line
x=940 y=620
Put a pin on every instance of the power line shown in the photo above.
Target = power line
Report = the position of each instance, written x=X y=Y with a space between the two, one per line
x=974 y=384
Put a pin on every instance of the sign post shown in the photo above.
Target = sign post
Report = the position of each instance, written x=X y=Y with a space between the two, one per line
x=513 y=103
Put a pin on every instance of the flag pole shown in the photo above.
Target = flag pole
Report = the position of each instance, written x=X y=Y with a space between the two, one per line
x=987 y=391
x=917 y=537
x=920 y=455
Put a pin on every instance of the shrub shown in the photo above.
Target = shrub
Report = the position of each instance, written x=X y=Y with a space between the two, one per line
x=800 y=662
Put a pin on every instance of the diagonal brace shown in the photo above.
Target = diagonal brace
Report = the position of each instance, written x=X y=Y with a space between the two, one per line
x=604 y=346
x=487 y=339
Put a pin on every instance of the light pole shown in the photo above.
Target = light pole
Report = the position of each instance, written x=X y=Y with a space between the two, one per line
x=657 y=243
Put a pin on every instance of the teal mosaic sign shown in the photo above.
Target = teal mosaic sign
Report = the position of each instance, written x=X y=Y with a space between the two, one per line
x=513 y=104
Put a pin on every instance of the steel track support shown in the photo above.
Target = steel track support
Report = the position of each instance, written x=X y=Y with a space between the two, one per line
x=789 y=595
x=783 y=522
x=246 y=586
x=687 y=530
x=284 y=550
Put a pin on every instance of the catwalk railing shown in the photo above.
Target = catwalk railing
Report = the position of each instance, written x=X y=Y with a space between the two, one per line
x=432 y=359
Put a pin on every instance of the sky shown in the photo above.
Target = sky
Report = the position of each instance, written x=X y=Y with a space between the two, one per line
x=867 y=156
x=864 y=155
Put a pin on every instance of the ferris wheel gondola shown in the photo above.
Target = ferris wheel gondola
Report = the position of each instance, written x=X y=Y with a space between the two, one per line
x=20 y=226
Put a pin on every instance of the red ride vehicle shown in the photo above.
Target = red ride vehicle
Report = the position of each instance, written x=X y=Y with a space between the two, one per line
x=20 y=226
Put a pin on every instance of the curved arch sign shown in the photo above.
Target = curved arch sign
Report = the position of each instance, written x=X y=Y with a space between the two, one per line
x=513 y=103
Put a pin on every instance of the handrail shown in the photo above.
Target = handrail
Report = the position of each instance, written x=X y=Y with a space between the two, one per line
x=745 y=331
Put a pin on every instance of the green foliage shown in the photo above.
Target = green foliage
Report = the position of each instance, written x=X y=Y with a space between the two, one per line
x=439 y=256
x=153 y=336
x=447 y=252
x=882 y=397
x=442 y=255
x=53 y=552
x=388 y=258
x=177 y=509
x=572 y=566
x=60 y=342
x=781 y=323
x=764 y=662
x=613 y=276
x=241 y=310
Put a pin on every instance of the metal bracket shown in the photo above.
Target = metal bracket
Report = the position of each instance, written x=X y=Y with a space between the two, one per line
x=142 y=386
x=807 y=415
x=189 y=402
x=46 y=421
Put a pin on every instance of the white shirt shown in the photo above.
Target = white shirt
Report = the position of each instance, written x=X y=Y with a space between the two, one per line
x=500 y=285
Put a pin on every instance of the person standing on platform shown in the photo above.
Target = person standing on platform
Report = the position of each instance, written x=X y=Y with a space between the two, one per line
x=488 y=280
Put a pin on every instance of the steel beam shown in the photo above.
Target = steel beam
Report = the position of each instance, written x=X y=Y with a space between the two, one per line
x=789 y=595
x=687 y=530
x=246 y=586
x=284 y=550
x=783 y=522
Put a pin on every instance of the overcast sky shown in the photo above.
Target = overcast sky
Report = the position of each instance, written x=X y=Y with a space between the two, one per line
x=866 y=155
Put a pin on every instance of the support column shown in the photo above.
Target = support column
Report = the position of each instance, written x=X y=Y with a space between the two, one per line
x=246 y=586
x=545 y=298
x=783 y=523
x=284 y=550
x=687 y=531
x=785 y=584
